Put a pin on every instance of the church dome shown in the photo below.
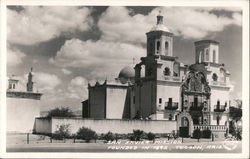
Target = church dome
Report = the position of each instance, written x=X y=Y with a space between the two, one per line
x=160 y=27
x=127 y=72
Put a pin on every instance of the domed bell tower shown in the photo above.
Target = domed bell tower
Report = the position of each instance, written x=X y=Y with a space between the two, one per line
x=159 y=39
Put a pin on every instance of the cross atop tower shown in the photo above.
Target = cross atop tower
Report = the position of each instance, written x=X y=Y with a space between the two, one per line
x=30 y=82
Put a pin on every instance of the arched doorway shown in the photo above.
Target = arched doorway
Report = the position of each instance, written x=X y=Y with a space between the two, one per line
x=184 y=128
x=184 y=124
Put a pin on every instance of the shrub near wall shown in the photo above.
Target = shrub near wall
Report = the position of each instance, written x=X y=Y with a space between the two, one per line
x=137 y=135
x=151 y=136
x=62 y=132
x=197 y=134
x=86 y=134
x=109 y=136
x=206 y=134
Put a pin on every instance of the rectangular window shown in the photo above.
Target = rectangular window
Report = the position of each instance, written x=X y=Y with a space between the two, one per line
x=160 y=100
x=133 y=99
x=195 y=101
x=10 y=86
x=158 y=45
x=166 y=48
x=170 y=100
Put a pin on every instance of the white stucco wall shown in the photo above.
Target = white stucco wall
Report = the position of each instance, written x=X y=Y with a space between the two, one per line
x=215 y=48
x=115 y=126
x=221 y=75
x=160 y=70
x=221 y=94
x=21 y=114
x=116 y=100
x=166 y=91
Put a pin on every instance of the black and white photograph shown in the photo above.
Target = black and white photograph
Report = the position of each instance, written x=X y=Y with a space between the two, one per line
x=124 y=79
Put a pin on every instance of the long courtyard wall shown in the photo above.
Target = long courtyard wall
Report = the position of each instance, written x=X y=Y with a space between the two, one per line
x=43 y=125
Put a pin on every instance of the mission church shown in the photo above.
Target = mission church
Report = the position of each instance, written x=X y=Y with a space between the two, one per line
x=162 y=88
x=159 y=94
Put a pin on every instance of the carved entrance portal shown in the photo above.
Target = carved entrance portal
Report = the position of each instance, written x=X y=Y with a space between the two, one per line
x=184 y=124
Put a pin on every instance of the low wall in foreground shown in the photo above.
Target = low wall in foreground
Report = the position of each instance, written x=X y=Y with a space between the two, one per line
x=42 y=125
x=105 y=125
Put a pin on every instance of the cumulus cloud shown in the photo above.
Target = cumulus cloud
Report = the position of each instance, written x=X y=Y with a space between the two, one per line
x=78 y=88
x=98 y=58
x=66 y=71
x=118 y=23
x=14 y=57
x=46 y=82
x=37 y=24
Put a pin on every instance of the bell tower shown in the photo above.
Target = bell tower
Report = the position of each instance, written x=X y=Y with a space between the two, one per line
x=159 y=89
x=159 y=39
x=206 y=51
x=160 y=60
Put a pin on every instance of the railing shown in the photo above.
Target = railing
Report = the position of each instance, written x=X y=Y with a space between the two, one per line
x=219 y=108
x=217 y=83
x=211 y=127
x=199 y=106
x=171 y=106
x=172 y=78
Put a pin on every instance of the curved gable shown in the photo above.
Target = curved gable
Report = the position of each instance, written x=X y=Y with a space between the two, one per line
x=195 y=82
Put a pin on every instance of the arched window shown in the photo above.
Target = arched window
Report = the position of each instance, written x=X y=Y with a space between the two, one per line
x=158 y=44
x=166 y=48
x=176 y=69
x=214 y=56
x=167 y=71
x=207 y=55
x=202 y=56
x=215 y=77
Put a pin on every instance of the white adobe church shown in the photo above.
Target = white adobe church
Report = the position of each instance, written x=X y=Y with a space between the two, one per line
x=196 y=96
x=23 y=106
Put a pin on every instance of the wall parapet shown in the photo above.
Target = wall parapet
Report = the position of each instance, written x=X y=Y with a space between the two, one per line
x=28 y=95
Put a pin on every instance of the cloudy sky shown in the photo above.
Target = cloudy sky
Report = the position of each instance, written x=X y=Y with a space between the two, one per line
x=71 y=46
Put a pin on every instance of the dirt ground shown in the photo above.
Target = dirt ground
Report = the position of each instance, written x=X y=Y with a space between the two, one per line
x=40 y=143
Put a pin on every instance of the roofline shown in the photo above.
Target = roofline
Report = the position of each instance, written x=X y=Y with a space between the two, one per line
x=206 y=41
